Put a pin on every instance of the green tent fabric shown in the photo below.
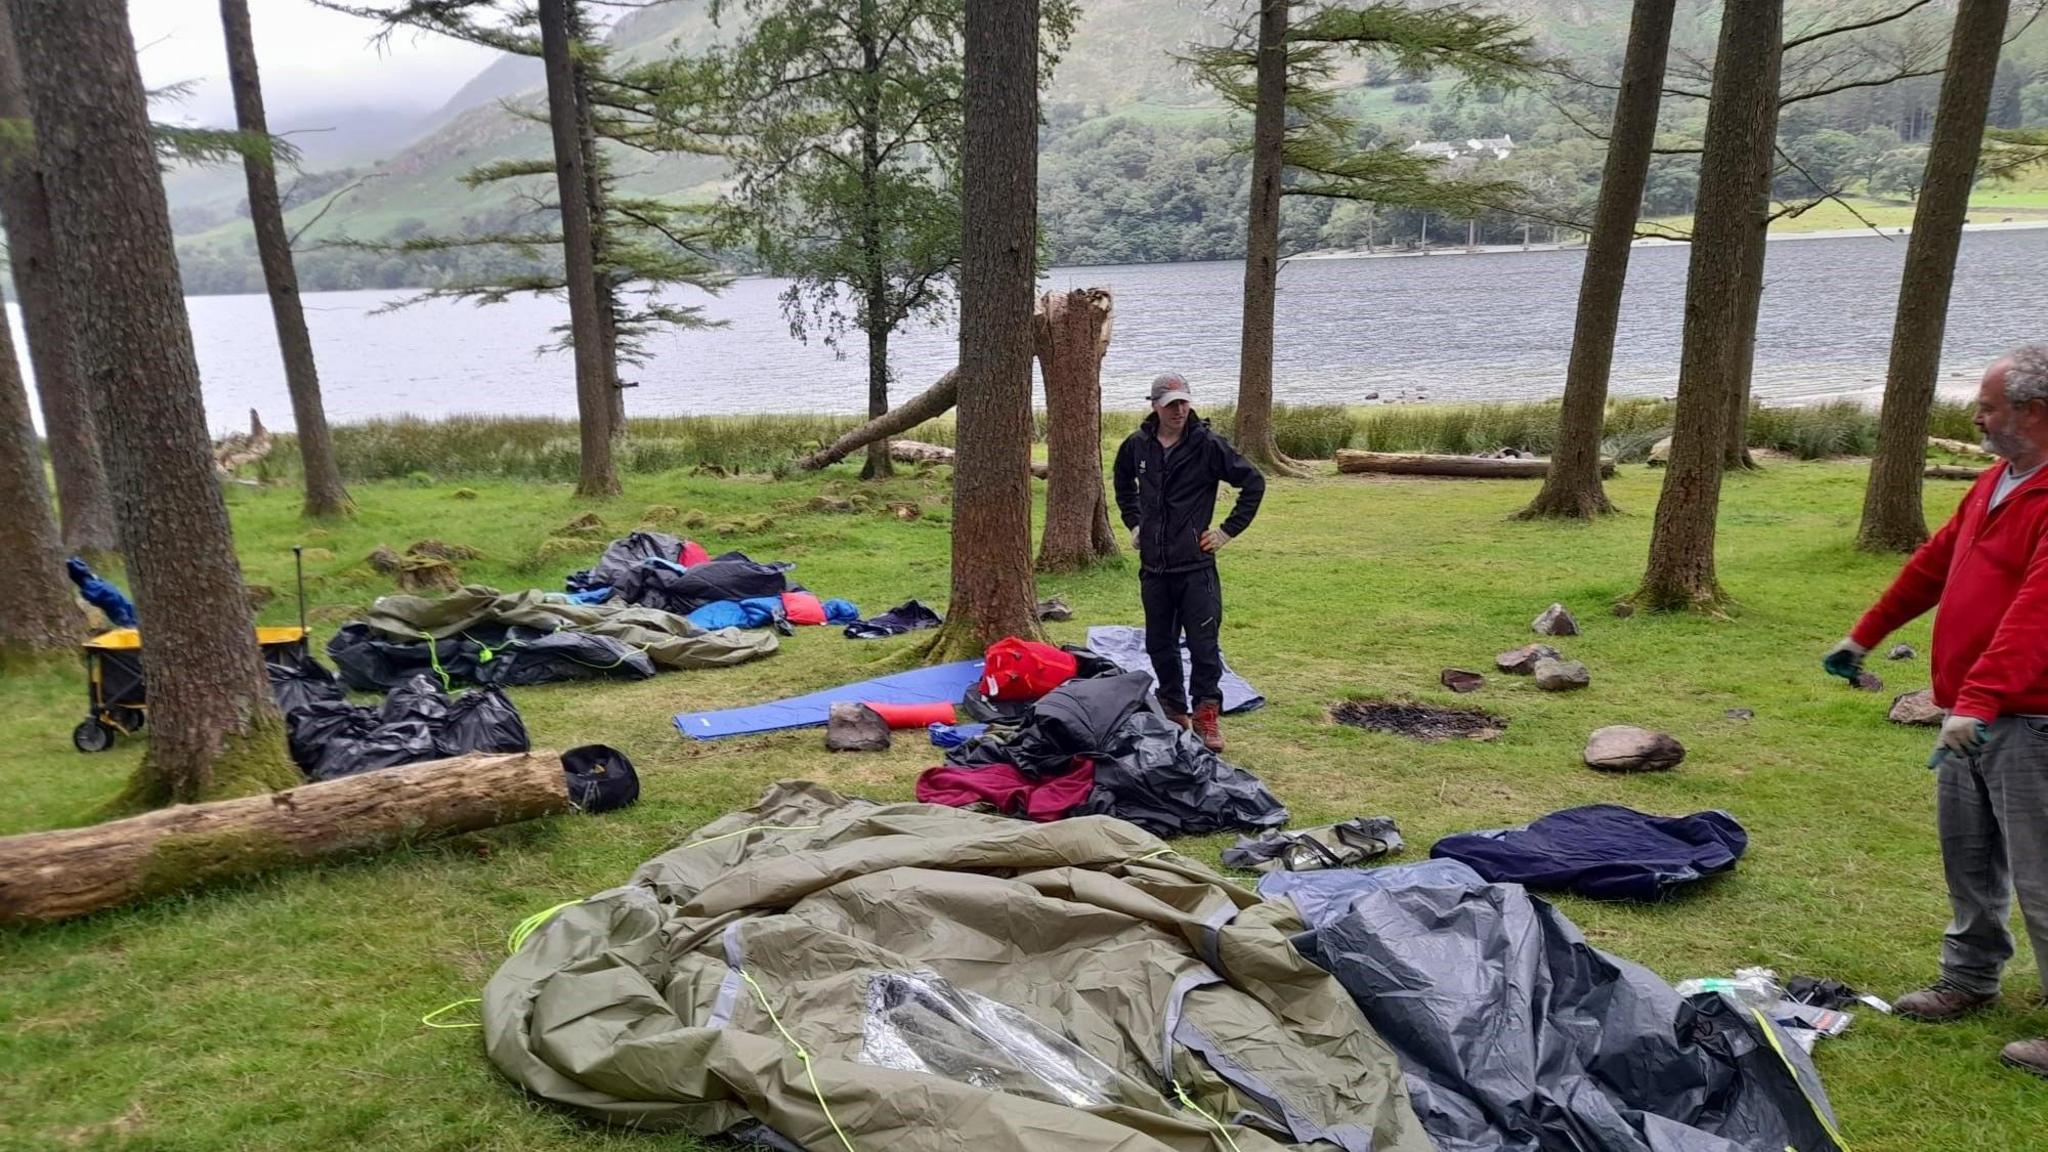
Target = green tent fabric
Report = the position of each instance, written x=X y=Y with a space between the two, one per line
x=669 y=640
x=954 y=980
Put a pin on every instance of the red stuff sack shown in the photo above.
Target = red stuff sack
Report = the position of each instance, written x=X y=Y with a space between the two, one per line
x=693 y=554
x=802 y=608
x=1017 y=669
x=913 y=715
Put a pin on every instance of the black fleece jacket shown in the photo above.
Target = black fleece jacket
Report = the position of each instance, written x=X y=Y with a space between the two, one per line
x=1170 y=497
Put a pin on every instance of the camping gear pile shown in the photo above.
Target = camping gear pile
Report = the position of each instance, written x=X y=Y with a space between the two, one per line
x=731 y=590
x=417 y=721
x=116 y=704
x=821 y=971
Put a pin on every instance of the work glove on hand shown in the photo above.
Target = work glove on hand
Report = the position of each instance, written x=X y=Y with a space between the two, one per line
x=1844 y=659
x=1214 y=539
x=1964 y=735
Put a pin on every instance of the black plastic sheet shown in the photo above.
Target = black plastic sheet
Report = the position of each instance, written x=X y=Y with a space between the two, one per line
x=417 y=721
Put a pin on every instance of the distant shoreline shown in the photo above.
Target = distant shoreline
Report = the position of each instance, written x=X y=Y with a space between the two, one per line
x=1643 y=242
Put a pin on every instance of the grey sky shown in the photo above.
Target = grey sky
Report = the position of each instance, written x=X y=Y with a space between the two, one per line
x=310 y=58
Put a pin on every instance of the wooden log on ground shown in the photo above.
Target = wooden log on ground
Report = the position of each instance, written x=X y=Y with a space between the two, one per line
x=1952 y=472
x=933 y=401
x=919 y=452
x=1464 y=467
x=50 y=876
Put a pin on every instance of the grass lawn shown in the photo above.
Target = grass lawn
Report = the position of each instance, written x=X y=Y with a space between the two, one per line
x=285 y=1013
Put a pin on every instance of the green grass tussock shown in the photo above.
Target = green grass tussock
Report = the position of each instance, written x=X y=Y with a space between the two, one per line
x=284 y=1012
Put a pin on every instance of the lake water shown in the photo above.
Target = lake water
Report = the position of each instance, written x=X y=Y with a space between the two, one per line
x=1489 y=326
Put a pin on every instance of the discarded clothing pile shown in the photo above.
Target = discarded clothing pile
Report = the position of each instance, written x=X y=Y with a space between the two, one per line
x=1344 y=845
x=417 y=721
x=670 y=574
x=1101 y=746
x=479 y=635
x=910 y=616
x=1518 y=1036
x=1603 y=851
x=919 y=979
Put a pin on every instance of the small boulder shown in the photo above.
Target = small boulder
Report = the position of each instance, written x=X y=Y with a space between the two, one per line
x=1626 y=748
x=1522 y=661
x=1867 y=682
x=1461 y=681
x=1740 y=713
x=855 y=728
x=1054 y=609
x=1917 y=708
x=1556 y=621
x=1561 y=675
x=1901 y=652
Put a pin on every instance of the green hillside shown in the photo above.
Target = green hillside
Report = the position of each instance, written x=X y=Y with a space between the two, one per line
x=1139 y=163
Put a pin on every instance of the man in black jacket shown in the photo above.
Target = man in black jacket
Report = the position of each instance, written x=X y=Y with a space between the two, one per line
x=1166 y=477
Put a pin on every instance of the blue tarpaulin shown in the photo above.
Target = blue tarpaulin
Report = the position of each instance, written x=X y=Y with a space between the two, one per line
x=939 y=684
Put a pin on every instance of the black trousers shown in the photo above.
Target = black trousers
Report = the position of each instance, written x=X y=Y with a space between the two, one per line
x=1189 y=602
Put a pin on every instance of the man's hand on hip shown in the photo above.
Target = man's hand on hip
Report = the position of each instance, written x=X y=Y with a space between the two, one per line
x=1214 y=539
x=1134 y=536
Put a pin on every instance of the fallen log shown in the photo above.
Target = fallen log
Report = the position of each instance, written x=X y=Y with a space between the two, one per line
x=50 y=876
x=932 y=402
x=1467 y=467
x=919 y=452
x=1952 y=472
x=1959 y=447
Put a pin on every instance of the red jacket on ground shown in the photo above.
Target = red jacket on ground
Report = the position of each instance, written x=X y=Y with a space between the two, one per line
x=1987 y=569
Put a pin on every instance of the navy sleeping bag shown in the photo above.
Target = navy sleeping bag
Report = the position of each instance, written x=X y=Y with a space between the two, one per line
x=1604 y=851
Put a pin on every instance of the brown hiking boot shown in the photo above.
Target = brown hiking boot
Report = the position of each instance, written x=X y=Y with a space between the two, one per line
x=1940 y=1003
x=1209 y=724
x=1177 y=716
x=2028 y=1056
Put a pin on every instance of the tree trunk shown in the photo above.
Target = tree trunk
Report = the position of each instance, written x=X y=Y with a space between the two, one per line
x=1742 y=122
x=1892 y=516
x=1254 y=431
x=875 y=310
x=83 y=502
x=213 y=728
x=1466 y=467
x=51 y=876
x=593 y=384
x=600 y=232
x=325 y=496
x=926 y=405
x=1572 y=488
x=1735 y=444
x=38 y=616
x=993 y=594
x=1071 y=332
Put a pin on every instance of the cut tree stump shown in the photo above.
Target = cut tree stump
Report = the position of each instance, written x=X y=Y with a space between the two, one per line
x=1463 y=467
x=46 y=877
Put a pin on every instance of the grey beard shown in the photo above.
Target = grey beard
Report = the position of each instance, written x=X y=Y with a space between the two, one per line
x=2005 y=445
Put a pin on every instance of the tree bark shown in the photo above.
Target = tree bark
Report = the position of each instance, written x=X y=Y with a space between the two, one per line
x=1571 y=488
x=594 y=389
x=1469 y=467
x=992 y=590
x=83 y=502
x=38 y=616
x=1071 y=331
x=926 y=405
x=1742 y=121
x=1254 y=431
x=600 y=230
x=875 y=311
x=47 y=877
x=1735 y=444
x=1893 y=520
x=213 y=728
x=325 y=496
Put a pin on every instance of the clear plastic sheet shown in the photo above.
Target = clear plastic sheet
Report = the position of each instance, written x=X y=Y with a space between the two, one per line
x=919 y=1022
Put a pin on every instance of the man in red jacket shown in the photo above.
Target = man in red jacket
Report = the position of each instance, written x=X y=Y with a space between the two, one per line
x=1987 y=571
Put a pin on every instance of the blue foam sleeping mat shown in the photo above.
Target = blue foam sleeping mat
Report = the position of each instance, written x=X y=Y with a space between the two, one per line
x=939 y=684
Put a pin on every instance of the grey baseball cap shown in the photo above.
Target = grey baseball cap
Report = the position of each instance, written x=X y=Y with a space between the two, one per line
x=1169 y=387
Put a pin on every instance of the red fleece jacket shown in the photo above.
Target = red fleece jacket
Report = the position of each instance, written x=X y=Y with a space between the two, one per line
x=1987 y=569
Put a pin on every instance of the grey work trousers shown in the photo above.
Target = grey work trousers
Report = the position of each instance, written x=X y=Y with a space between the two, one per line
x=1992 y=814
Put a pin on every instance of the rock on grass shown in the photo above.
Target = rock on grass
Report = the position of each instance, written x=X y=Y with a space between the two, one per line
x=1522 y=661
x=1556 y=620
x=1561 y=675
x=1627 y=748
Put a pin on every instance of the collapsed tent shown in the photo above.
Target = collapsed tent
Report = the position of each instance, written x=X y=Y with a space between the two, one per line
x=1138 y=766
x=674 y=588
x=1125 y=646
x=821 y=972
x=1518 y=1036
x=1604 y=851
x=479 y=635
x=417 y=721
